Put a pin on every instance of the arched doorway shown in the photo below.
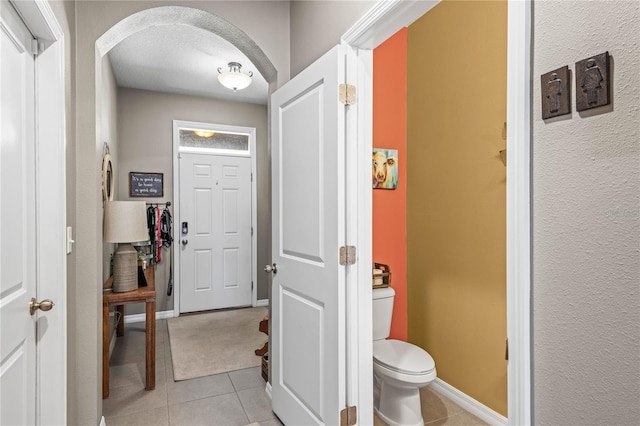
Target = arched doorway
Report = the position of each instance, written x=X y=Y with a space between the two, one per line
x=181 y=16
x=196 y=20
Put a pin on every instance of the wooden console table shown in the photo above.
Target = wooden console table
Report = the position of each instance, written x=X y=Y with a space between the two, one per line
x=146 y=295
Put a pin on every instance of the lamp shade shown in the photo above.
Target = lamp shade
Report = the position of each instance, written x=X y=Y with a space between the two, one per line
x=125 y=221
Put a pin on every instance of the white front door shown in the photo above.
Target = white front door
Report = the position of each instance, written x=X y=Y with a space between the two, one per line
x=17 y=222
x=308 y=287
x=215 y=232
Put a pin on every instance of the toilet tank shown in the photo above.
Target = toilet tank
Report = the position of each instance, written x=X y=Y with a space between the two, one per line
x=382 y=312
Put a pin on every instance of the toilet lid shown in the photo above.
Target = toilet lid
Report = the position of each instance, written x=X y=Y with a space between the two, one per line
x=402 y=357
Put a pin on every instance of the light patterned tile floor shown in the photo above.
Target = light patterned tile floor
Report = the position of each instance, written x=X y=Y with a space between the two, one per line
x=234 y=398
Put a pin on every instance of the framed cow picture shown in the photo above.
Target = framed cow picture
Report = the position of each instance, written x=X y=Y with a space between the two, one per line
x=385 y=168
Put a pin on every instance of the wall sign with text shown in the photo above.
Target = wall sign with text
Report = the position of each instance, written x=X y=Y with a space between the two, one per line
x=142 y=184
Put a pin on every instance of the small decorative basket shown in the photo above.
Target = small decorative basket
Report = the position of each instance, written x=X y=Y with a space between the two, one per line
x=381 y=275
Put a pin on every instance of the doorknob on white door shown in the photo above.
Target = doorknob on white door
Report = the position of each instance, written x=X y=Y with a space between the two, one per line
x=185 y=242
x=45 y=305
x=271 y=268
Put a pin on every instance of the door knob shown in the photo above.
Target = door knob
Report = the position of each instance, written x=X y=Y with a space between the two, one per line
x=184 y=242
x=271 y=268
x=45 y=305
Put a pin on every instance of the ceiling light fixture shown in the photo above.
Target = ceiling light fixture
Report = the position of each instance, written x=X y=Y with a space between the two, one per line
x=204 y=133
x=234 y=79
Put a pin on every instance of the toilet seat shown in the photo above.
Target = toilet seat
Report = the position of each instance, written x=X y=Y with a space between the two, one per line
x=402 y=357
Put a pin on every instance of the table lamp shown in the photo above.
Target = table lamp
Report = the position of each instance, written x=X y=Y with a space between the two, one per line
x=125 y=222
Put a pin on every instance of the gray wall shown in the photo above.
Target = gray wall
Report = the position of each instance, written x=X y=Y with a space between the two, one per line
x=586 y=224
x=146 y=143
x=317 y=25
x=267 y=25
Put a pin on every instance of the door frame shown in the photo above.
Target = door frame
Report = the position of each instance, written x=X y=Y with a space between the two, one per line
x=382 y=21
x=177 y=124
x=51 y=238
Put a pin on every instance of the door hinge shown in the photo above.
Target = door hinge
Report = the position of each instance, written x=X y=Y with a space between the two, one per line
x=252 y=231
x=349 y=416
x=251 y=176
x=347 y=94
x=251 y=285
x=347 y=255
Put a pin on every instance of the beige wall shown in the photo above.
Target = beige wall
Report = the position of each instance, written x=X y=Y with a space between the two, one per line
x=317 y=25
x=586 y=223
x=267 y=25
x=146 y=144
x=456 y=200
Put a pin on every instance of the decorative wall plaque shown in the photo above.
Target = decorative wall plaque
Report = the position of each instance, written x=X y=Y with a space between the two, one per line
x=555 y=88
x=142 y=184
x=592 y=82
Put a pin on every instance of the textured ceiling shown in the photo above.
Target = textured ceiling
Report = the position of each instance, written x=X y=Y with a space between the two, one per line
x=182 y=59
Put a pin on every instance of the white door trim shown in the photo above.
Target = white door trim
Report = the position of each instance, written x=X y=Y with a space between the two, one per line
x=177 y=124
x=379 y=23
x=51 y=265
x=359 y=218
x=519 y=312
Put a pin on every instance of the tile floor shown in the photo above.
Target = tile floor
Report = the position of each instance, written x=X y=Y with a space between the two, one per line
x=234 y=398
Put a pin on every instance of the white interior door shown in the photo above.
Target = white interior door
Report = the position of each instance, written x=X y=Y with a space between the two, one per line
x=215 y=246
x=308 y=293
x=17 y=222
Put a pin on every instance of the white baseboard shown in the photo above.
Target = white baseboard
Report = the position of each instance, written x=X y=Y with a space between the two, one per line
x=267 y=389
x=471 y=405
x=262 y=302
x=142 y=317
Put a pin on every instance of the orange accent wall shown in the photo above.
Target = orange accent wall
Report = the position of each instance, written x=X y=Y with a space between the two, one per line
x=390 y=206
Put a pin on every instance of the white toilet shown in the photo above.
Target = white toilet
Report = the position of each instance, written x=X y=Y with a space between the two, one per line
x=400 y=369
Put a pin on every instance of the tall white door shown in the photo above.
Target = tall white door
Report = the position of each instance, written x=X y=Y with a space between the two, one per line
x=215 y=233
x=308 y=293
x=17 y=222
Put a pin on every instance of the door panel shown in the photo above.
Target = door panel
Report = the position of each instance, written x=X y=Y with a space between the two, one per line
x=230 y=202
x=215 y=262
x=308 y=295
x=300 y=314
x=17 y=222
x=302 y=204
x=203 y=214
